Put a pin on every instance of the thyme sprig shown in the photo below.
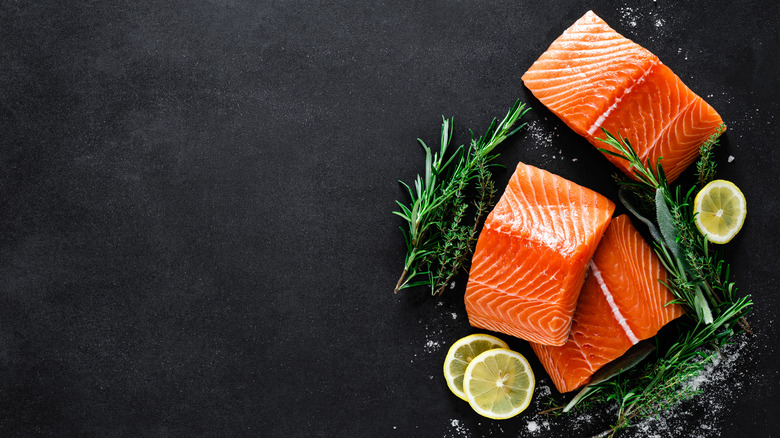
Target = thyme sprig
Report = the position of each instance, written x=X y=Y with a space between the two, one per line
x=448 y=204
x=705 y=166
x=698 y=278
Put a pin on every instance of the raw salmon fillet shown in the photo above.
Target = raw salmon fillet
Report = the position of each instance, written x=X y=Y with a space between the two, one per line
x=621 y=303
x=532 y=256
x=592 y=77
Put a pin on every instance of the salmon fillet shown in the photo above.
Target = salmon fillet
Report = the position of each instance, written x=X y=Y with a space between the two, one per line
x=621 y=303
x=592 y=77
x=532 y=255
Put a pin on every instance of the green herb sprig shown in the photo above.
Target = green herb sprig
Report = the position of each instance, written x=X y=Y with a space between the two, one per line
x=698 y=278
x=448 y=204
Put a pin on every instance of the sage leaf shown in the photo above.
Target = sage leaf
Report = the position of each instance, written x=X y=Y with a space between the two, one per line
x=626 y=201
x=667 y=225
x=628 y=360
x=702 y=308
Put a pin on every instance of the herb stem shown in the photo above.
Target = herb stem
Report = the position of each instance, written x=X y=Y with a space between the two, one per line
x=401 y=283
x=553 y=409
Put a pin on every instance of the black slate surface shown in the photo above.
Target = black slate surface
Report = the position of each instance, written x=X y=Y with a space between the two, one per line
x=195 y=198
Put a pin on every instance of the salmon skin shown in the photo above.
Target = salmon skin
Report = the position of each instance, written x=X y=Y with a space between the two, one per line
x=592 y=77
x=621 y=303
x=532 y=255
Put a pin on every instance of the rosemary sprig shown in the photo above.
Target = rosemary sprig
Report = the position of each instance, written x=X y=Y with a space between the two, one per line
x=698 y=278
x=438 y=233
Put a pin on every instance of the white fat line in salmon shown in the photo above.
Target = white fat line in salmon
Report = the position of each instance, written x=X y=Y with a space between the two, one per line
x=612 y=305
x=609 y=110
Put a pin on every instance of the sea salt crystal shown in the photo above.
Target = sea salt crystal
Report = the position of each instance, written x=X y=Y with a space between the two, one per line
x=432 y=345
x=540 y=135
x=731 y=158
x=533 y=426
x=459 y=429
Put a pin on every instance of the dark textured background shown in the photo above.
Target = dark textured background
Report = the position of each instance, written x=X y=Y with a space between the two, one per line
x=196 y=235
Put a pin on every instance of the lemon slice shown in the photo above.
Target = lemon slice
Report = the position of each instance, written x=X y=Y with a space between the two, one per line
x=721 y=209
x=461 y=353
x=499 y=383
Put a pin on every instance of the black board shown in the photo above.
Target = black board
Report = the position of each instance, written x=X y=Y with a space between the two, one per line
x=196 y=235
